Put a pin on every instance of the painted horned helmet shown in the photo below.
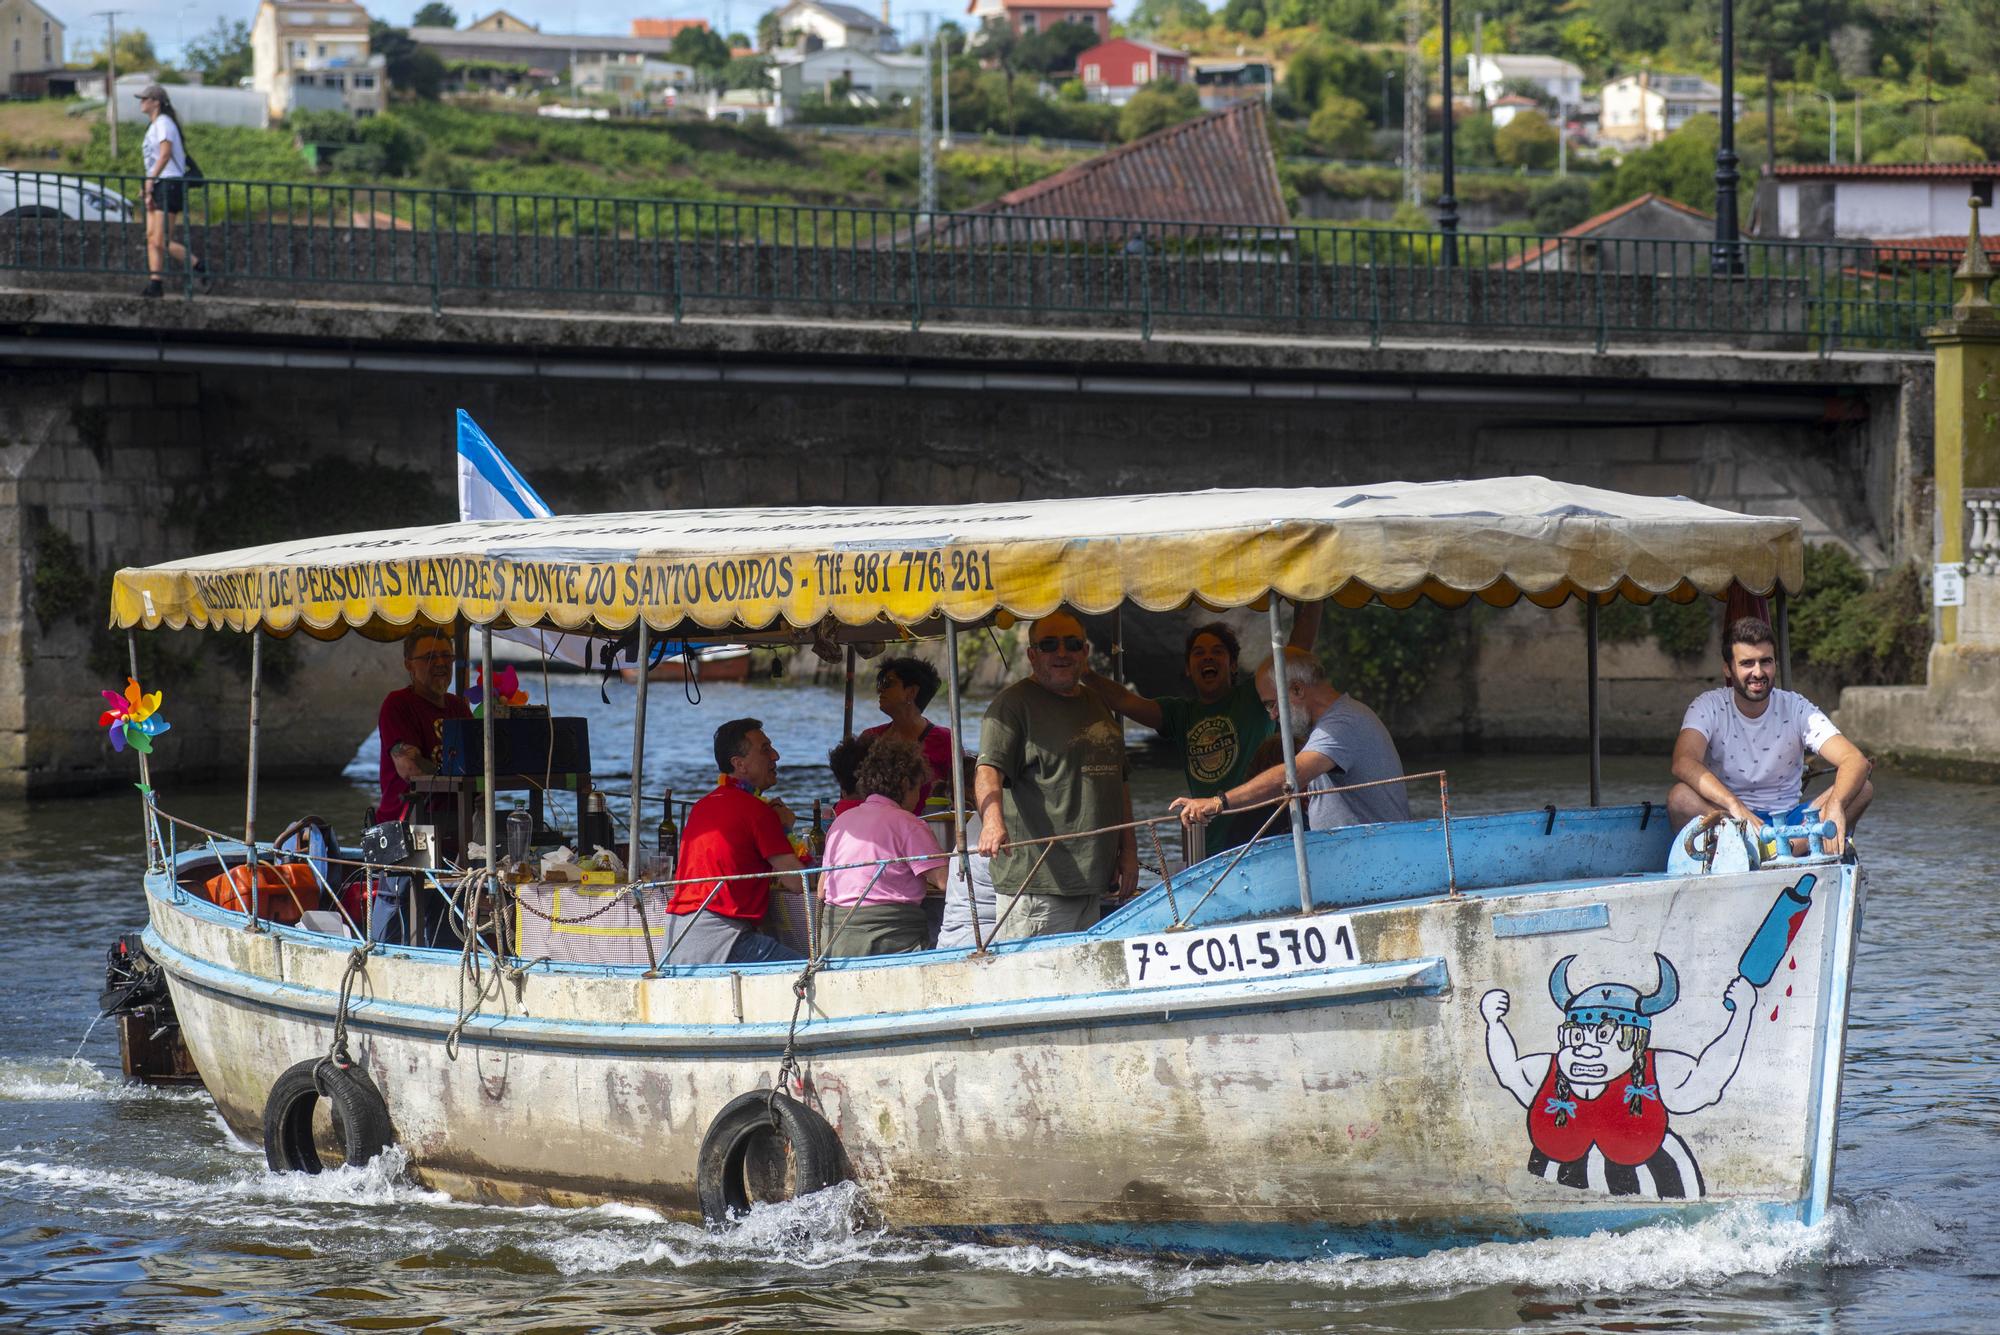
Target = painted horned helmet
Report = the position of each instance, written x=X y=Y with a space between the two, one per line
x=1619 y=1003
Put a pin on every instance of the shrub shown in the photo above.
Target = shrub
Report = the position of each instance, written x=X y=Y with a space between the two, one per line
x=1340 y=127
x=1940 y=148
x=1529 y=140
x=1865 y=633
x=1387 y=658
x=1559 y=205
x=1155 y=107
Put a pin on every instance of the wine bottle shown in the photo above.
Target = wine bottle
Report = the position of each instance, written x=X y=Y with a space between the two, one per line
x=667 y=837
x=816 y=837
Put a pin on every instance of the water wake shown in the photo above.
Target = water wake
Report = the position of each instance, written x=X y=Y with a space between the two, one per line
x=77 y=1080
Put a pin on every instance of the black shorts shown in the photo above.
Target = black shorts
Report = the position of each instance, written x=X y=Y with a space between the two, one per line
x=169 y=195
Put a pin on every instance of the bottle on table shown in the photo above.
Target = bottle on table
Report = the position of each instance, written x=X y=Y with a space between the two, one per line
x=667 y=839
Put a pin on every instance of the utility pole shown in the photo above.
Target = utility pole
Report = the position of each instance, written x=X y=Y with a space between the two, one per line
x=944 y=88
x=1413 y=104
x=1857 y=129
x=1475 y=78
x=110 y=17
x=927 y=138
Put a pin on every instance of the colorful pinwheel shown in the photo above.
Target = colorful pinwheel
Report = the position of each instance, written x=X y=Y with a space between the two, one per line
x=133 y=717
x=506 y=685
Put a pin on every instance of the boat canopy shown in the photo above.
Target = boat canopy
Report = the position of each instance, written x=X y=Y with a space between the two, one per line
x=884 y=571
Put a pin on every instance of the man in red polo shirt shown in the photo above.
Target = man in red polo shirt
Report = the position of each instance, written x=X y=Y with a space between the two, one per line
x=732 y=833
x=412 y=719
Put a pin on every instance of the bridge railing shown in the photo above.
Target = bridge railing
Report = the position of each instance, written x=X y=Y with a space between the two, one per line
x=683 y=256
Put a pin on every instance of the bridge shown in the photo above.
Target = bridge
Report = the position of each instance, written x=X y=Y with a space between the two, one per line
x=632 y=354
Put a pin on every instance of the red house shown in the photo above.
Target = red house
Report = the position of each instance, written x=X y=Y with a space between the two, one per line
x=1031 y=16
x=1112 y=71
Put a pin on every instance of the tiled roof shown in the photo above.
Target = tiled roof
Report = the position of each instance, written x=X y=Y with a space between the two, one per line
x=666 y=28
x=1932 y=171
x=1213 y=169
x=1931 y=249
x=1011 y=5
x=847 y=14
x=1590 y=225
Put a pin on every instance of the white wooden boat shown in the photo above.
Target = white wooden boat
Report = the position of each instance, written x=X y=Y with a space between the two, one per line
x=1385 y=1038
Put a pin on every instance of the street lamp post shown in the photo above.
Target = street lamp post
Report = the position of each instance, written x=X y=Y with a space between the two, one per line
x=1726 y=255
x=1388 y=77
x=1447 y=200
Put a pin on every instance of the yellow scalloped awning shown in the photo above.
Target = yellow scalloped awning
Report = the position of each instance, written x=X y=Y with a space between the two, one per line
x=723 y=572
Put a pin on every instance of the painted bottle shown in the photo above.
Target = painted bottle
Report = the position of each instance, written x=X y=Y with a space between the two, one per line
x=1773 y=937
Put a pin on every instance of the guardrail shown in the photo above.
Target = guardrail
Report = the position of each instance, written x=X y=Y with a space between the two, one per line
x=675 y=256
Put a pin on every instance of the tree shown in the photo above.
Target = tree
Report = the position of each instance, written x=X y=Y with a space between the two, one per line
x=1155 y=107
x=1935 y=148
x=700 y=48
x=1244 y=16
x=1340 y=127
x=1152 y=15
x=1324 y=67
x=1054 y=48
x=1529 y=140
x=770 y=36
x=435 y=14
x=222 y=54
x=135 y=53
x=1681 y=167
x=411 y=69
x=1558 y=205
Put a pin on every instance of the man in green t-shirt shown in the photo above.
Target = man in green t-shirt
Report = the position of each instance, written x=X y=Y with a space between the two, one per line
x=1052 y=763
x=1216 y=731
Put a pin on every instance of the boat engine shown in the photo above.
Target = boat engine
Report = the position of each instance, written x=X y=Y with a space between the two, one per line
x=149 y=1034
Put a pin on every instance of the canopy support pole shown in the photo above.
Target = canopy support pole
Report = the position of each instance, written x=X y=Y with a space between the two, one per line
x=250 y=793
x=145 y=771
x=1287 y=741
x=847 y=709
x=1784 y=630
x=486 y=712
x=958 y=847
x=639 y=749
x=1590 y=670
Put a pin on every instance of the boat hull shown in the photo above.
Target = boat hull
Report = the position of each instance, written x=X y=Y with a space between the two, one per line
x=1045 y=1090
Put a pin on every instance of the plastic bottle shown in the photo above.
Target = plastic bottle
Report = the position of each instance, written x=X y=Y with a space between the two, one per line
x=520 y=834
x=816 y=837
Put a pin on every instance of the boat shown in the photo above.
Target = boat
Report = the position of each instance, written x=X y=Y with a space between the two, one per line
x=715 y=662
x=1380 y=1039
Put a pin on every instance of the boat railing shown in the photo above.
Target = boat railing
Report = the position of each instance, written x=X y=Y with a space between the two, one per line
x=458 y=885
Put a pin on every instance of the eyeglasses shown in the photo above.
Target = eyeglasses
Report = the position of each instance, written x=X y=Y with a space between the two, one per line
x=1048 y=644
x=442 y=657
x=1271 y=707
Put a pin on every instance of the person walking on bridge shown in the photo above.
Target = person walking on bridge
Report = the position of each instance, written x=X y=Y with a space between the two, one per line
x=166 y=158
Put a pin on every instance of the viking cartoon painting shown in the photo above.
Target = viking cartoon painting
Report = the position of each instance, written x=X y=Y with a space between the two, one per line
x=1601 y=1107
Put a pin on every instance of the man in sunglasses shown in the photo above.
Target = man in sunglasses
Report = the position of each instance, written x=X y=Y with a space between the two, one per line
x=1052 y=764
x=1217 y=730
x=412 y=718
x=1347 y=746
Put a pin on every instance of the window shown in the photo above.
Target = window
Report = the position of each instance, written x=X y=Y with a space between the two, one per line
x=1141 y=74
x=364 y=81
x=1028 y=23
x=1093 y=74
x=1983 y=192
x=322 y=51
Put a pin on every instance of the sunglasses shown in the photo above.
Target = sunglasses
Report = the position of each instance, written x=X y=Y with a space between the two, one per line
x=1048 y=644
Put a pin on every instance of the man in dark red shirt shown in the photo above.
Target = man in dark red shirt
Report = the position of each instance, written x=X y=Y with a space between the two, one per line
x=732 y=833
x=412 y=719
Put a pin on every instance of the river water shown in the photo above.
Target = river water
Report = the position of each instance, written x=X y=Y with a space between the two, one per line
x=126 y=1208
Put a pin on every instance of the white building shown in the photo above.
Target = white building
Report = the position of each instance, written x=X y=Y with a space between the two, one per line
x=31 y=40
x=1641 y=109
x=811 y=25
x=1556 y=79
x=312 y=55
x=628 y=75
x=1882 y=201
x=871 y=77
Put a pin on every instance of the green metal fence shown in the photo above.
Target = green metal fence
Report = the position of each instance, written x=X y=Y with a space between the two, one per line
x=681 y=256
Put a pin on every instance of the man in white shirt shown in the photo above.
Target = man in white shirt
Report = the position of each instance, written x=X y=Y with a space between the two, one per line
x=1741 y=750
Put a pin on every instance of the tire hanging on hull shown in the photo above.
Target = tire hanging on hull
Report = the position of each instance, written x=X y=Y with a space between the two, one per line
x=360 y=1116
x=764 y=1147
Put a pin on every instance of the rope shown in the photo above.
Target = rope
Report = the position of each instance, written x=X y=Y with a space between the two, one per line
x=1166 y=877
x=357 y=961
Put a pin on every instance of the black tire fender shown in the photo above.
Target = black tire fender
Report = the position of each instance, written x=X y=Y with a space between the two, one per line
x=360 y=1116
x=764 y=1147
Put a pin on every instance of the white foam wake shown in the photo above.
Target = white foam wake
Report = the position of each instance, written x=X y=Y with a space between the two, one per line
x=76 y=1080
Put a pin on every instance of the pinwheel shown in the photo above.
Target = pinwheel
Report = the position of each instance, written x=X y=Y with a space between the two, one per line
x=506 y=687
x=133 y=717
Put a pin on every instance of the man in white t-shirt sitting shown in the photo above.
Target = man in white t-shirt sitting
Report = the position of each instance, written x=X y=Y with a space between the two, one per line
x=1742 y=748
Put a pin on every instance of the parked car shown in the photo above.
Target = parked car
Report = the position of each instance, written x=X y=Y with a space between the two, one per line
x=52 y=195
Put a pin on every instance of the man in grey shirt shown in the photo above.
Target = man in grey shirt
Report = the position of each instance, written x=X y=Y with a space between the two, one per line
x=1348 y=745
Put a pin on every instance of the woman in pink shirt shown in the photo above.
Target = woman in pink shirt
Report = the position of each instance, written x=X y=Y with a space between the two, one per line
x=904 y=688
x=871 y=912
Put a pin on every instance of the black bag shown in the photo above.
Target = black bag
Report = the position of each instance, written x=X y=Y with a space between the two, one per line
x=192 y=175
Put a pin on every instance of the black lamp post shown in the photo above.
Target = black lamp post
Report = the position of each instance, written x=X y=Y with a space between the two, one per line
x=1726 y=256
x=1448 y=201
x=1387 y=77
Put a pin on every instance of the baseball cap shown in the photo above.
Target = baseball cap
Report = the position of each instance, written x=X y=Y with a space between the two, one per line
x=153 y=91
